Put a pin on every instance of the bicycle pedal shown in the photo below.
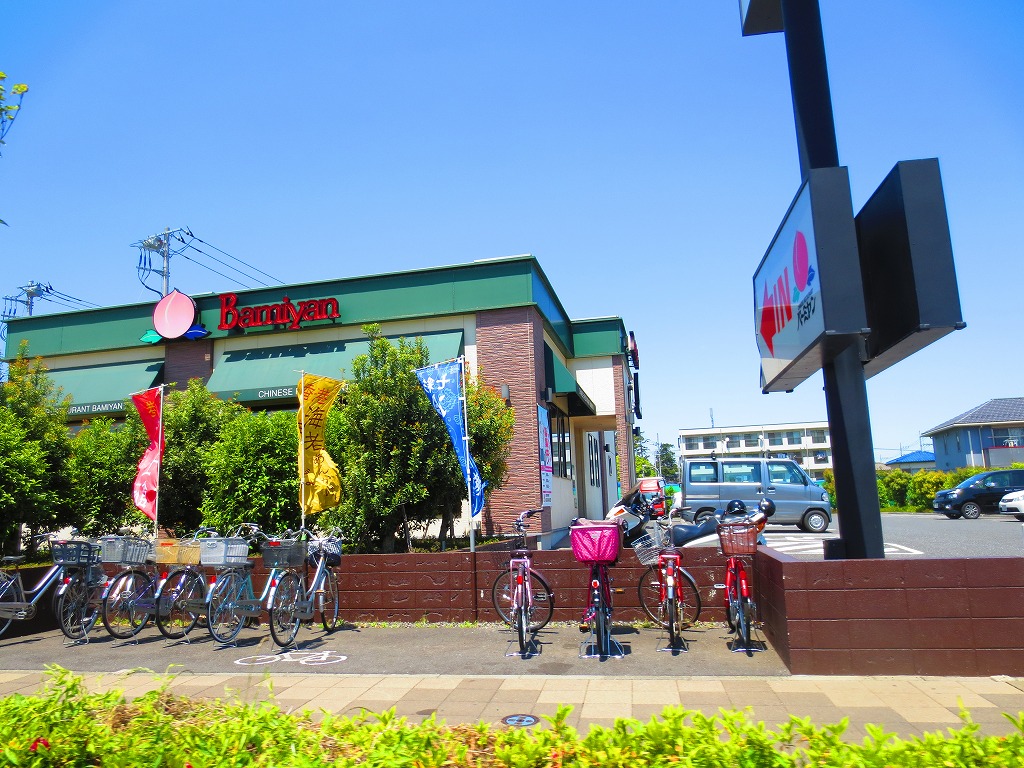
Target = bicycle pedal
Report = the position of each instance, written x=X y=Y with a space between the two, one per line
x=584 y=628
x=718 y=586
x=619 y=591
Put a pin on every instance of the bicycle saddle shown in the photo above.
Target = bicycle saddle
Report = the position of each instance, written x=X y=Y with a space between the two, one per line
x=13 y=559
x=684 y=532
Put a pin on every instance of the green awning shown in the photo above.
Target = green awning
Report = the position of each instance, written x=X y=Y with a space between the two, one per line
x=254 y=375
x=102 y=389
x=560 y=381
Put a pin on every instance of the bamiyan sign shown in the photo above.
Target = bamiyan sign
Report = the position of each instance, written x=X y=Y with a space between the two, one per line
x=177 y=316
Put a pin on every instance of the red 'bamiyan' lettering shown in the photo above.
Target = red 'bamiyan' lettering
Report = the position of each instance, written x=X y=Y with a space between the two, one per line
x=286 y=313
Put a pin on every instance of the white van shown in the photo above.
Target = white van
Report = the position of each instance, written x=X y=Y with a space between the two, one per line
x=711 y=483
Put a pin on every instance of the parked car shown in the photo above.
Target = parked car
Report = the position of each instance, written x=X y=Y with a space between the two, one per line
x=710 y=483
x=653 y=490
x=1013 y=504
x=978 y=493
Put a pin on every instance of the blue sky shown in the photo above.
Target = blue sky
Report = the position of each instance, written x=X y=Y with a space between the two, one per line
x=643 y=152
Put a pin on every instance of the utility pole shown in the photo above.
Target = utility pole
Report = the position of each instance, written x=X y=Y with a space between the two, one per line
x=159 y=244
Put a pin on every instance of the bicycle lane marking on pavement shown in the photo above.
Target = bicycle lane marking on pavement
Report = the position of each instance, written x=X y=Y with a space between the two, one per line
x=305 y=658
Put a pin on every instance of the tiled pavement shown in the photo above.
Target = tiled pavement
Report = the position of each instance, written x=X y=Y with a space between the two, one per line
x=903 y=705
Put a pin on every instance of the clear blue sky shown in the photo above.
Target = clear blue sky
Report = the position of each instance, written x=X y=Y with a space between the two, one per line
x=643 y=152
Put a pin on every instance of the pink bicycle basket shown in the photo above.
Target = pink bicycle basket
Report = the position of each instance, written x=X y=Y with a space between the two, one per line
x=596 y=542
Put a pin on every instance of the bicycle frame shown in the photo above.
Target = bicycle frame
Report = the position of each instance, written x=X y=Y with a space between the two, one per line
x=598 y=616
x=15 y=609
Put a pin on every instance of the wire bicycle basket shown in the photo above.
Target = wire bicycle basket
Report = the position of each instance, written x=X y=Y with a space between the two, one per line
x=738 y=538
x=284 y=553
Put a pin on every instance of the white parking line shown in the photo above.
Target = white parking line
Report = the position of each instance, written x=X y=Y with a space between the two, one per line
x=811 y=544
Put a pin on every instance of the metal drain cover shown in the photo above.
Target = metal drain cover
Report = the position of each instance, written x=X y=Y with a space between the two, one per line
x=520 y=721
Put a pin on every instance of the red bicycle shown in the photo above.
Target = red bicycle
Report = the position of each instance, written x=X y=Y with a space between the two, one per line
x=739 y=538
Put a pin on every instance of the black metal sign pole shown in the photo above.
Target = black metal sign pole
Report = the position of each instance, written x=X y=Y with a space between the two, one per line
x=860 y=520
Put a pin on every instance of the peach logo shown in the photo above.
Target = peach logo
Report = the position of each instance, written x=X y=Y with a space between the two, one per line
x=175 y=316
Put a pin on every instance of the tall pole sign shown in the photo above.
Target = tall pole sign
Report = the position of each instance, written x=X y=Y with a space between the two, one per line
x=865 y=265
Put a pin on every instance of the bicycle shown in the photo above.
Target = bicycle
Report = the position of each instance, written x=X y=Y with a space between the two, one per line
x=16 y=602
x=129 y=599
x=181 y=597
x=521 y=596
x=292 y=602
x=739 y=539
x=596 y=543
x=668 y=592
x=231 y=599
x=80 y=588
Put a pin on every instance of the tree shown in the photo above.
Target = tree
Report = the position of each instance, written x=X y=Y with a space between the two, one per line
x=9 y=112
x=22 y=477
x=398 y=468
x=667 y=463
x=193 y=421
x=252 y=474
x=388 y=439
x=102 y=470
x=40 y=409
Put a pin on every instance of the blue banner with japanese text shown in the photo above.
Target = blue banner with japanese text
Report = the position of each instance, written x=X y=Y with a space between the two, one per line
x=443 y=384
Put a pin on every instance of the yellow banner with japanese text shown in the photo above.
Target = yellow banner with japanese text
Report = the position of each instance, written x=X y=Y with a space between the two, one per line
x=319 y=481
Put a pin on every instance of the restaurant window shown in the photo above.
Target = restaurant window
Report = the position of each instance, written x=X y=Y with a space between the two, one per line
x=561 y=454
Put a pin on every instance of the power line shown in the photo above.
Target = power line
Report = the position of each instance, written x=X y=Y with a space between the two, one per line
x=161 y=244
x=29 y=295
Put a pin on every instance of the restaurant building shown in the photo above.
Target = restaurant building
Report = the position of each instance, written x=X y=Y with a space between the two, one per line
x=573 y=383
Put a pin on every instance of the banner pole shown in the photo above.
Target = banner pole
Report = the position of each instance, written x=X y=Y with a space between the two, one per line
x=302 y=446
x=159 y=466
x=465 y=437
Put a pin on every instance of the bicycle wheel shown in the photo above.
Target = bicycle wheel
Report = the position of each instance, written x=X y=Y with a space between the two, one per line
x=10 y=592
x=649 y=592
x=732 y=595
x=284 y=615
x=602 y=621
x=522 y=610
x=672 y=619
x=329 y=602
x=744 y=618
x=75 y=612
x=122 y=615
x=225 y=618
x=687 y=598
x=543 y=600
x=177 y=602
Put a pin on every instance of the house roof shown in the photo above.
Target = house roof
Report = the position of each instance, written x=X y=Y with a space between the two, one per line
x=914 y=457
x=1003 y=410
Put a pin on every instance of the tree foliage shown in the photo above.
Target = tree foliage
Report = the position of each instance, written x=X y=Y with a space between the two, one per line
x=252 y=475
x=8 y=111
x=193 y=421
x=102 y=470
x=38 y=407
x=22 y=476
x=388 y=446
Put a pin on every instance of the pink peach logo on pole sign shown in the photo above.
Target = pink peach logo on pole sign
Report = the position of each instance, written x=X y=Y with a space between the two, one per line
x=175 y=316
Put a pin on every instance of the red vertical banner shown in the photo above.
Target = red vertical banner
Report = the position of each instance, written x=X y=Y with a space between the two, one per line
x=147 y=480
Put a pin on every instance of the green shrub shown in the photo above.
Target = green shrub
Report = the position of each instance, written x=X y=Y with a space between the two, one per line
x=65 y=725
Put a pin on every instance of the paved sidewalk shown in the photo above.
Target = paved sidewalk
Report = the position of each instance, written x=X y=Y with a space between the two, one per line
x=907 y=706
x=462 y=675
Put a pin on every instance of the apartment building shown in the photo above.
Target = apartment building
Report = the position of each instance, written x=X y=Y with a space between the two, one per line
x=808 y=443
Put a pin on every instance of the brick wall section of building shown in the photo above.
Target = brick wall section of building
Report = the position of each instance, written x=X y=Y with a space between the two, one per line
x=894 y=617
x=184 y=360
x=510 y=350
